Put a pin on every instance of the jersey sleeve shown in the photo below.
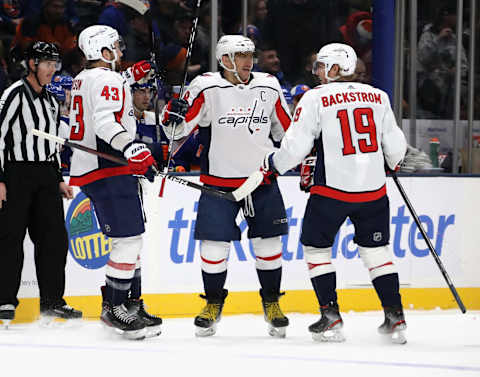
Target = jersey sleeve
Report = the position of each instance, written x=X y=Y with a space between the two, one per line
x=280 y=118
x=300 y=136
x=108 y=100
x=394 y=144
x=198 y=107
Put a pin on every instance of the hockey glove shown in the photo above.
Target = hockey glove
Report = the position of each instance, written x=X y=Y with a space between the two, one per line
x=268 y=169
x=174 y=112
x=139 y=158
x=139 y=70
x=306 y=173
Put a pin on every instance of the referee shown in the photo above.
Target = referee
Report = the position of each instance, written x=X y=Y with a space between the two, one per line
x=31 y=187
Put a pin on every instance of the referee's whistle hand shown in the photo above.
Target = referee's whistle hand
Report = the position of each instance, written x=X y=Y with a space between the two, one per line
x=3 y=193
x=66 y=191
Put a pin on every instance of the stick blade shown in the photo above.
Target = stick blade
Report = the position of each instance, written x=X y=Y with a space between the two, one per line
x=248 y=186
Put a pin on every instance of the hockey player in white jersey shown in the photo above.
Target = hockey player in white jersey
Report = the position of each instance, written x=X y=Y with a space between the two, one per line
x=239 y=113
x=102 y=118
x=355 y=134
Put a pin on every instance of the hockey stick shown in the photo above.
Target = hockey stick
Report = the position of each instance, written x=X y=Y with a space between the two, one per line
x=185 y=72
x=429 y=244
x=234 y=196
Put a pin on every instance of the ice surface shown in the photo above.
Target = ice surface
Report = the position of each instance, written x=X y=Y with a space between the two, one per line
x=440 y=343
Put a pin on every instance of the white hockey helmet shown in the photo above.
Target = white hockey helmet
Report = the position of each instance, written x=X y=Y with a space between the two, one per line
x=230 y=45
x=95 y=38
x=336 y=53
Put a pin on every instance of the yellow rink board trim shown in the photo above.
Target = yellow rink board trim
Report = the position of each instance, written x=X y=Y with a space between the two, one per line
x=299 y=301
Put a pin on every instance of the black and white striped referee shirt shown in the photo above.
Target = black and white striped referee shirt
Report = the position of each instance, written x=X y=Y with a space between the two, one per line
x=21 y=110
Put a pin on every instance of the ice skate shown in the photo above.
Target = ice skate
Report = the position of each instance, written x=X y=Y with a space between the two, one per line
x=49 y=313
x=394 y=325
x=206 y=321
x=329 y=327
x=130 y=326
x=7 y=314
x=277 y=322
x=152 y=322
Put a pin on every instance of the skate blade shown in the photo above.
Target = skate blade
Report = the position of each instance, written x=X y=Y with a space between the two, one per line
x=202 y=332
x=333 y=335
x=52 y=322
x=129 y=335
x=153 y=331
x=277 y=332
x=398 y=337
x=135 y=334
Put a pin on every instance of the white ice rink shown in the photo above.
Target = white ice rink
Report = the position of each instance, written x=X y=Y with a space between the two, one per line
x=440 y=343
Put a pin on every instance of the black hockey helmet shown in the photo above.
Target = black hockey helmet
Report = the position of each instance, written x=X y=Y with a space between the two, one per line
x=39 y=51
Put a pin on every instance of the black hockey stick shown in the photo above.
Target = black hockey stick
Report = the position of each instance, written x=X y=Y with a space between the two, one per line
x=429 y=244
x=246 y=188
x=185 y=73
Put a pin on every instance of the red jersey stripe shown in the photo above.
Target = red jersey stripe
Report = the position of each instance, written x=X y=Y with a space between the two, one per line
x=95 y=175
x=282 y=115
x=195 y=108
x=351 y=197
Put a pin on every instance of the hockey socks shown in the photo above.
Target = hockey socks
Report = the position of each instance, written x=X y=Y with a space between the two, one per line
x=270 y=280
x=116 y=290
x=388 y=287
x=136 y=285
x=325 y=288
x=213 y=284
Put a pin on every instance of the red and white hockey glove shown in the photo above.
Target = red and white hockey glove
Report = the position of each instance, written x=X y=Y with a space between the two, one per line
x=306 y=173
x=138 y=71
x=139 y=158
x=268 y=169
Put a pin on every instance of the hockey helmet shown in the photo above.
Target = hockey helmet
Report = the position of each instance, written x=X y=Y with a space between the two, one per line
x=232 y=44
x=40 y=51
x=336 y=53
x=95 y=38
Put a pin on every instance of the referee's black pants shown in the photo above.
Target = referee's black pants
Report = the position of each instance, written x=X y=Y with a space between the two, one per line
x=33 y=203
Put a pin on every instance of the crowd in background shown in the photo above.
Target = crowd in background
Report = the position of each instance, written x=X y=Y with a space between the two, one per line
x=287 y=34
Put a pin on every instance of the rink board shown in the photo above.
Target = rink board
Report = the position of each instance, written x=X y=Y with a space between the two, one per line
x=447 y=206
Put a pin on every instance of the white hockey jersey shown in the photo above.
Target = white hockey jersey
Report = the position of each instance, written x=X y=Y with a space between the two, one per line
x=100 y=110
x=237 y=124
x=354 y=131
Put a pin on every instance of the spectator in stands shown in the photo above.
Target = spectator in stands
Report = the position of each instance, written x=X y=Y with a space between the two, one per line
x=297 y=27
x=437 y=56
x=51 y=25
x=259 y=14
x=253 y=33
x=128 y=18
x=170 y=55
x=269 y=62
x=201 y=47
x=361 y=74
x=306 y=76
x=357 y=32
x=11 y=14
